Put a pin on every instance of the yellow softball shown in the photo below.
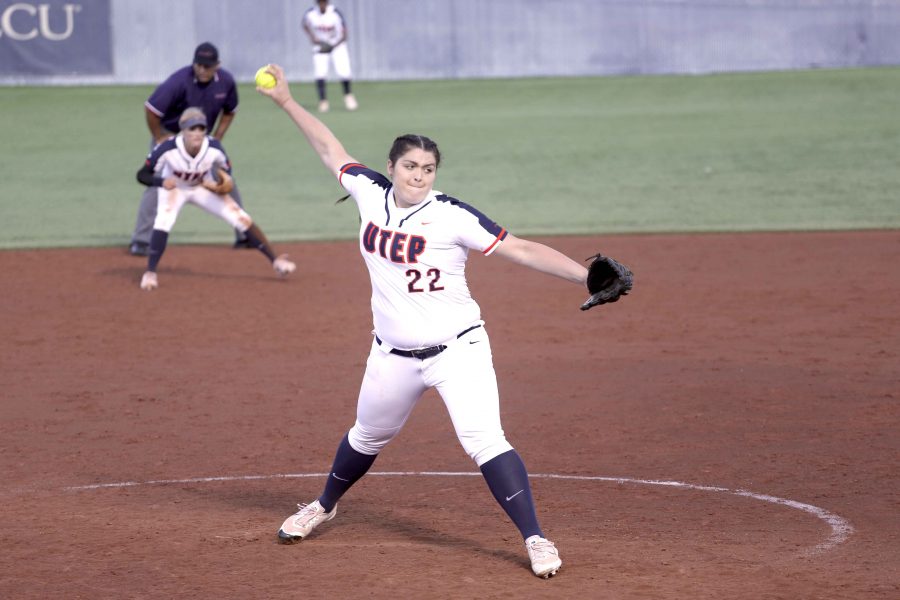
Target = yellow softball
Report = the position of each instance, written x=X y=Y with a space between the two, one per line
x=264 y=79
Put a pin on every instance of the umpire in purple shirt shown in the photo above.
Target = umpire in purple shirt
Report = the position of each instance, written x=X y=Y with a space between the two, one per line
x=204 y=84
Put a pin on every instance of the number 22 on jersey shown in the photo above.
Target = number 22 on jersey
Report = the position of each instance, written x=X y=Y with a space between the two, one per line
x=403 y=248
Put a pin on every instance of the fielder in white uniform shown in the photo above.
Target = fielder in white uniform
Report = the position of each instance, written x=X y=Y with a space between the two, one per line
x=183 y=170
x=327 y=31
x=428 y=329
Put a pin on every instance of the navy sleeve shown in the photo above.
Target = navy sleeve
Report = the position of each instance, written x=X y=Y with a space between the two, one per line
x=168 y=96
x=147 y=173
x=145 y=176
x=231 y=99
x=486 y=223
x=358 y=169
x=214 y=143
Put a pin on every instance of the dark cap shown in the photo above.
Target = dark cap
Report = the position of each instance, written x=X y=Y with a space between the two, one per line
x=206 y=54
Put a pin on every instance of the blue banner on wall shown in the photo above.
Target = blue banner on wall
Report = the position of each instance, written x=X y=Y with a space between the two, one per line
x=55 y=38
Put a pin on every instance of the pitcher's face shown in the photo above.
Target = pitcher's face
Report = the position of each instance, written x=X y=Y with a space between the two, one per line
x=413 y=176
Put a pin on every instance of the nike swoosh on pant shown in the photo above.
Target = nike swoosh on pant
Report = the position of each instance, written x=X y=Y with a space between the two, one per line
x=508 y=498
x=339 y=478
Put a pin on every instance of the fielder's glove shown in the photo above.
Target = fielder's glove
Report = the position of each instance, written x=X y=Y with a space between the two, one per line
x=223 y=183
x=607 y=281
x=324 y=47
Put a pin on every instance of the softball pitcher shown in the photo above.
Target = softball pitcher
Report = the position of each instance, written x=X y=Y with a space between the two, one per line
x=428 y=330
x=193 y=168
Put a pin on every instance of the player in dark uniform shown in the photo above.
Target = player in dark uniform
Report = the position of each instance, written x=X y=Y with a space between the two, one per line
x=203 y=84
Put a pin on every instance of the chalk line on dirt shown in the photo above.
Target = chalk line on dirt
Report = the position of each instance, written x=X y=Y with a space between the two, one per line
x=841 y=529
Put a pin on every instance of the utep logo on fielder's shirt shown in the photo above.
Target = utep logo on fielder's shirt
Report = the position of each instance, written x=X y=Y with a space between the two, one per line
x=404 y=248
x=191 y=177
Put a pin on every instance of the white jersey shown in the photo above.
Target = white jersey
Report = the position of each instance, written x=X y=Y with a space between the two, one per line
x=416 y=259
x=327 y=26
x=170 y=159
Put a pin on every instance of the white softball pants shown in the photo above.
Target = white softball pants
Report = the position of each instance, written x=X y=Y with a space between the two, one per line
x=463 y=375
x=339 y=57
x=170 y=203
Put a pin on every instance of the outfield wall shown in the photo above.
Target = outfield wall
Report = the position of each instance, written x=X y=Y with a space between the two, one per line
x=133 y=41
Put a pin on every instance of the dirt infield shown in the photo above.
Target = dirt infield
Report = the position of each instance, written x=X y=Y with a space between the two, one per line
x=745 y=396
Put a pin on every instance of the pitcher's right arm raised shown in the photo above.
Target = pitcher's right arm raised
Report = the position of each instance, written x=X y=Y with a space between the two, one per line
x=322 y=140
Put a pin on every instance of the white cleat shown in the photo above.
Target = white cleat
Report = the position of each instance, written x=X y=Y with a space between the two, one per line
x=149 y=281
x=350 y=102
x=545 y=561
x=323 y=106
x=301 y=524
x=283 y=266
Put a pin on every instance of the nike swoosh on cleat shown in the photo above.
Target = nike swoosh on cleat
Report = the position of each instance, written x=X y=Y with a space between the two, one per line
x=475 y=342
x=508 y=498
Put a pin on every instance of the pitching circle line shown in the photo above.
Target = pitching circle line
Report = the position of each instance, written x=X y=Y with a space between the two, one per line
x=841 y=529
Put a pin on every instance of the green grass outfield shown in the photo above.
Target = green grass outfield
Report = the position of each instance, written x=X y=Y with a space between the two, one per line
x=804 y=150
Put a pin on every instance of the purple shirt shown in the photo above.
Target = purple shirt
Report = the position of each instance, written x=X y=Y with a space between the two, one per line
x=182 y=90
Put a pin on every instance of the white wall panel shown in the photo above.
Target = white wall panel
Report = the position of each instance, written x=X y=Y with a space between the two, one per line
x=440 y=39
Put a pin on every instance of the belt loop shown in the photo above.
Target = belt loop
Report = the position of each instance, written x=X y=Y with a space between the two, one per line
x=382 y=346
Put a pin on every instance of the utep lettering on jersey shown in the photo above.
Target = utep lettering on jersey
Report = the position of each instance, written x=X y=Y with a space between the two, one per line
x=191 y=177
x=404 y=248
x=411 y=236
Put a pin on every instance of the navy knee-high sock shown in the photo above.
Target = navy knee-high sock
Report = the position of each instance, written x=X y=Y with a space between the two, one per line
x=507 y=478
x=348 y=467
x=158 y=241
x=259 y=244
x=320 y=88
